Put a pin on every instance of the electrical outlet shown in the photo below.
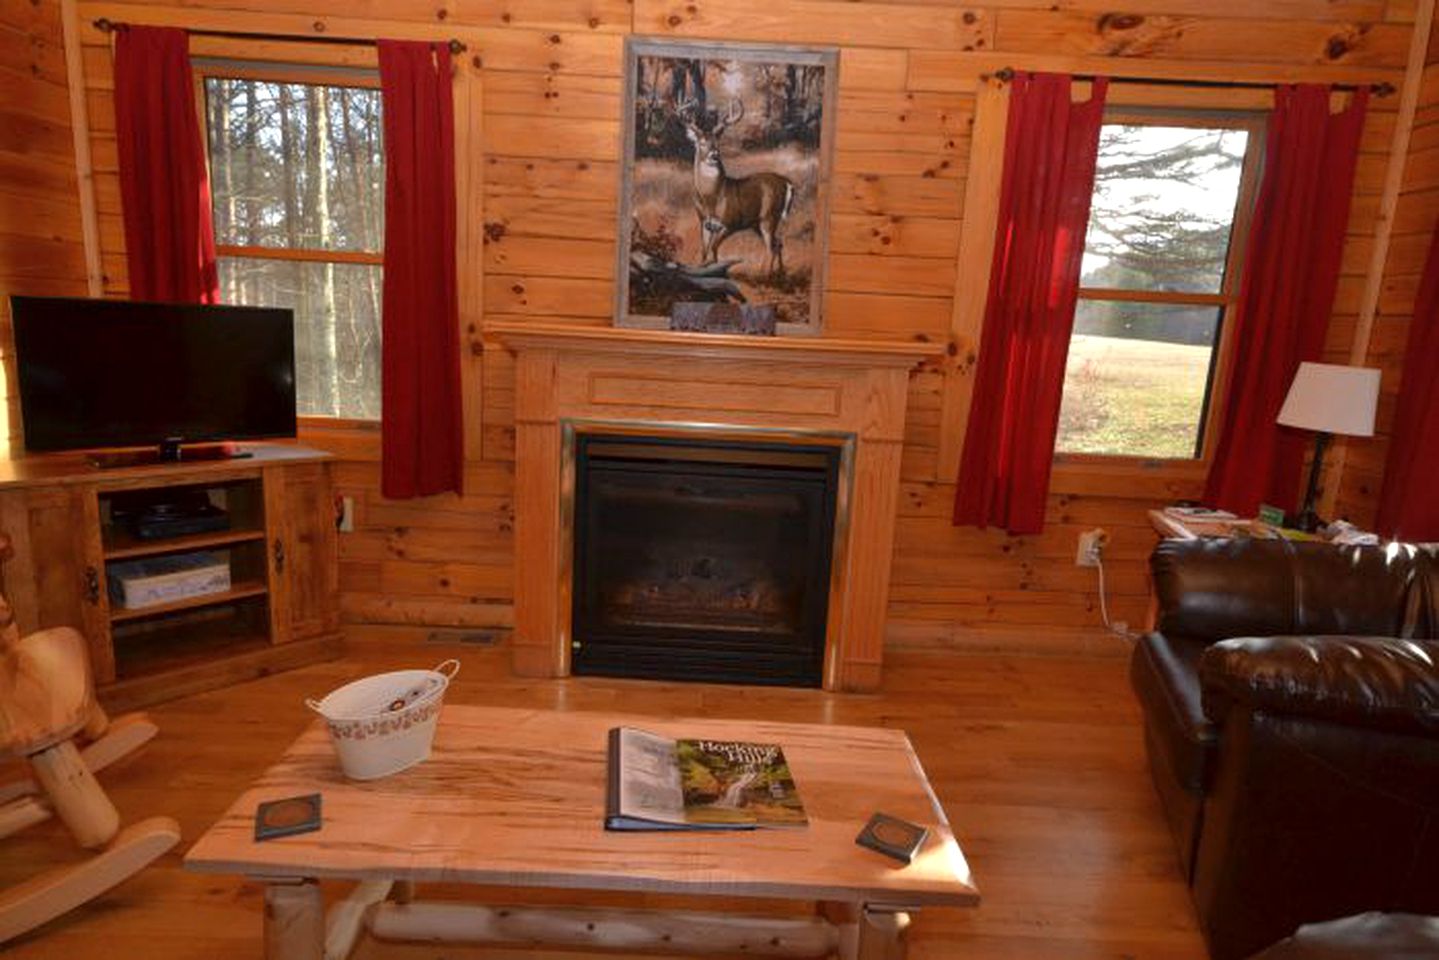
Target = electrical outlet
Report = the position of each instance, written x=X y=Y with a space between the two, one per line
x=1091 y=547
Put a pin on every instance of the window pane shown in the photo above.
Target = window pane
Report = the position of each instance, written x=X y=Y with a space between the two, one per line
x=1136 y=379
x=1163 y=210
x=296 y=165
x=337 y=328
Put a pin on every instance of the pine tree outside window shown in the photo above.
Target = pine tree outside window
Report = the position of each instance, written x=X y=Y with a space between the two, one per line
x=297 y=175
x=1172 y=198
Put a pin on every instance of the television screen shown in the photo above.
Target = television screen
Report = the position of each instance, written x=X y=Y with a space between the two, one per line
x=114 y=373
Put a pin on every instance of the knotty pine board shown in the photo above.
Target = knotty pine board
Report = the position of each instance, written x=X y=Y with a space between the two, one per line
x=552 y=77
x=41 y=248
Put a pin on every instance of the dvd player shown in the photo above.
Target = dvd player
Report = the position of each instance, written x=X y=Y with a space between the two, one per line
x=153 y=527
x=163 y=514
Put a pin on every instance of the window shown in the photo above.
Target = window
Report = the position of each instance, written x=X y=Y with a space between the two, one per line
x=297 y=174
x=1171 y=197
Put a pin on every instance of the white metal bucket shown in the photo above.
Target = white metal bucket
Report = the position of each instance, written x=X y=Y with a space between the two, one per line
x=385 y=723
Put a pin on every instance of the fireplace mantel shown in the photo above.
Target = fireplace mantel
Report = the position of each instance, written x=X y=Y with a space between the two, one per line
x=821 y=390
x=635 y=342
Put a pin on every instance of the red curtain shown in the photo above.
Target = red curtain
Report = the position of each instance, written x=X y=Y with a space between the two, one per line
x=169 y=240
x=1408 y=508
x=422 y=439
x=1050 y=149
x=1291 y=270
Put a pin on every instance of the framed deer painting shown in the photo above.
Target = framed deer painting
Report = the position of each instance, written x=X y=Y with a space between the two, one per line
x=725 y=180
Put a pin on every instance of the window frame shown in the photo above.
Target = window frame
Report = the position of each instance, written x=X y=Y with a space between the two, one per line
x=227 y=68
x=1221 y=356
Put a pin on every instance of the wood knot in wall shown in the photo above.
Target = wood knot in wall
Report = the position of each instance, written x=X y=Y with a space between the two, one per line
x=1118 y=22
x=1132 y=35
x=1344 y=41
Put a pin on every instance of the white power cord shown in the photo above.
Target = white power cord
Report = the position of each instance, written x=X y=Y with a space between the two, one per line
x=1120 y=630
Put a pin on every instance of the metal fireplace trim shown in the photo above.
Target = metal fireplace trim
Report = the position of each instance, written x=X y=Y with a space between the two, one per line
x=572 y=428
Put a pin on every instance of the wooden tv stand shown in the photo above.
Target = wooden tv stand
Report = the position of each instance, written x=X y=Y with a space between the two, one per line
x=281 y=611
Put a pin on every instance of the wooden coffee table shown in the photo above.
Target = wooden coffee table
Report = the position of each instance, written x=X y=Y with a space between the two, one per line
x=515 y=798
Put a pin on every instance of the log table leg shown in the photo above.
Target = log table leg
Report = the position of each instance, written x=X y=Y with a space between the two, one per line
x=870 y=931
x=348 y=918
x=294 y=920
x=882 y=933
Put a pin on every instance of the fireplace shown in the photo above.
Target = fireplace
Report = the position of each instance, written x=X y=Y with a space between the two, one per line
x=702 y=559
x=797 y=396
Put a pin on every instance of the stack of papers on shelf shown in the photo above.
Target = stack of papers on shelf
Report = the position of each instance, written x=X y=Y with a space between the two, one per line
x=1198 y=513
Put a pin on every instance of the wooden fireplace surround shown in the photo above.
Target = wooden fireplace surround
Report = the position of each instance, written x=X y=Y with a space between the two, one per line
x=820 y=390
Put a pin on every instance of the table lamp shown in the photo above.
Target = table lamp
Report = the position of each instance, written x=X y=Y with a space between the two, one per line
x=1328 y=398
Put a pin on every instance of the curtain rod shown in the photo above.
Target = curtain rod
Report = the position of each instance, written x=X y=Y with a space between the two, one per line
x=1382 y=89
x=105 y=25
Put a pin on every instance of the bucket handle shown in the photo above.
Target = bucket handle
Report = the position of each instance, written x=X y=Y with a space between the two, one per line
x=446 y=668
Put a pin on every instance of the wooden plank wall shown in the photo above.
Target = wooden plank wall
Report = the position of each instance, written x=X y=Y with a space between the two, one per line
x=41 y=250
x=1414 y=224
x=910 y=75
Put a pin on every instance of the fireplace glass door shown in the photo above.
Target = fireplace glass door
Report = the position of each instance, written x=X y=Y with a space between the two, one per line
x=702 y=560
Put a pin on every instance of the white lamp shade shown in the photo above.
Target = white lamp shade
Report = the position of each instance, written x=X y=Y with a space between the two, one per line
x=1329 y=398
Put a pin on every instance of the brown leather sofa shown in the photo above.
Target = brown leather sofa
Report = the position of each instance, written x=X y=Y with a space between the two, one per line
x=1291 y=716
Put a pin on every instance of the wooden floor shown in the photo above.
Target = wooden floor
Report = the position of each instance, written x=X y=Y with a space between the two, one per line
x=1037 y=760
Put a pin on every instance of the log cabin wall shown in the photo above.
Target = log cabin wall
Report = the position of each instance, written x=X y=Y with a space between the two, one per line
x=1362 y=468
x=41 y=247
x=912 y=170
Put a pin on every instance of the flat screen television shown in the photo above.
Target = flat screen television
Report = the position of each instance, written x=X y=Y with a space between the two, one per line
x=115 y=373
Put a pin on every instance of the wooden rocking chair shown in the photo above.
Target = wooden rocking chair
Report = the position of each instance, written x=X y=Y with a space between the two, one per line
x=47 y=700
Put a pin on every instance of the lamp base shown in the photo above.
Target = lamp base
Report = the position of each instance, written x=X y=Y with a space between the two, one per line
x=1308 y=520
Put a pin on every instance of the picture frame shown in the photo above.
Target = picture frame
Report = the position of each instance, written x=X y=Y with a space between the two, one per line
x=725 y=179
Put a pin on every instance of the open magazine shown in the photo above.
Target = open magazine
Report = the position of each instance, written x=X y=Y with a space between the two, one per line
x=656 y=783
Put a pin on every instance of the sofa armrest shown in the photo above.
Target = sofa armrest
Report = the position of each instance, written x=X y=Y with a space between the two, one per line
x=1381 y=683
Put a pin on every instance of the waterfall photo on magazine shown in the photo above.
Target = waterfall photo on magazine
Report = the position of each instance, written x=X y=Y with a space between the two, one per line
x=731 y=782
x=659 y=783
x=725 y=179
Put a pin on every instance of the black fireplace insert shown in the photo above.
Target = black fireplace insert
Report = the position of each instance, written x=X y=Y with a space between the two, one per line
x=702 y=559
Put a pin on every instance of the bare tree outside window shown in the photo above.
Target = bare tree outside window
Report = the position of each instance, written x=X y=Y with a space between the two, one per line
x=297 y=171
x=1155 y=287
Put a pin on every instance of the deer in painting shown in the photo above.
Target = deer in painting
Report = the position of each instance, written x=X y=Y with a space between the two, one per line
x=728 y=205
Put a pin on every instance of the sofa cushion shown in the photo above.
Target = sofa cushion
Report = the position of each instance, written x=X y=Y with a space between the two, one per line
x=1165 y=674
x=1215 y=589
x=1363 y=591
x=1379 y=683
